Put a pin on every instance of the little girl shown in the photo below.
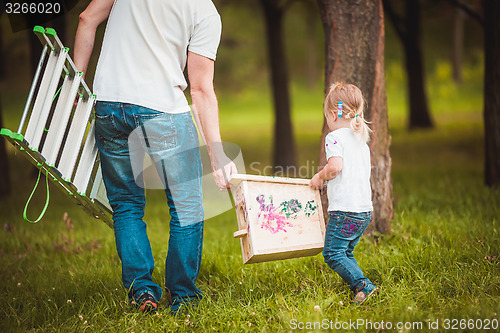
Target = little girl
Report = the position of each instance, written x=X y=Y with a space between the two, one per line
x=347 y=174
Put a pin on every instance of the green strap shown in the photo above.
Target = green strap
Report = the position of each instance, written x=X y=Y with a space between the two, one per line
x=31 y=196
x=57 y=93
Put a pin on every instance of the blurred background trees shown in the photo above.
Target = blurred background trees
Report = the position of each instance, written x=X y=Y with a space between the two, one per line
x=272 y=55
x=4 y=166
x=492 y=91
x=406 y=23
x=284 y=140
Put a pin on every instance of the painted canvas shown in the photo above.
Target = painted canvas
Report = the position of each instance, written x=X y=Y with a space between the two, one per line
x=278 y=218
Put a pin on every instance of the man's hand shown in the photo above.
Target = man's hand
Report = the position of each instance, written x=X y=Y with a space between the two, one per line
x=221 y=175
x=222 y=166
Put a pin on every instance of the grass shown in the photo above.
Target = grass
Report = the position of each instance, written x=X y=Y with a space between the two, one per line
x=440 y=261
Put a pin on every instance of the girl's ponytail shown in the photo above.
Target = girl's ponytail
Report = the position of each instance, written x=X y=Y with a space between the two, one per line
x=360 y=126
x=352 y=105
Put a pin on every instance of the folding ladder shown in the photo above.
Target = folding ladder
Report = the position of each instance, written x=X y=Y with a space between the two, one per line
x=58 y=136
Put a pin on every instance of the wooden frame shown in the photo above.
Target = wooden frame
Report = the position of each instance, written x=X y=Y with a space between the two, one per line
x=278 y=218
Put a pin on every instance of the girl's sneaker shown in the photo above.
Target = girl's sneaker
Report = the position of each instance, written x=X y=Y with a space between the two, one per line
x=363 y=294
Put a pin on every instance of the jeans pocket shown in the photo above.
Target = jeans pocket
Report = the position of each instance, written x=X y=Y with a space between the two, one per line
x=156 y=131
x=107 y=133
x=351 y=225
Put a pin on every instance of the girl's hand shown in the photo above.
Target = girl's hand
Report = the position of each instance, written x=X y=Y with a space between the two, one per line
x=316 y=182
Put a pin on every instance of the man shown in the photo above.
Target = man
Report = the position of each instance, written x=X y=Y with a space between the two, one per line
x=139 y=85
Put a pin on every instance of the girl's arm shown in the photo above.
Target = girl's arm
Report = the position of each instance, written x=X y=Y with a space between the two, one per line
x=330 y=171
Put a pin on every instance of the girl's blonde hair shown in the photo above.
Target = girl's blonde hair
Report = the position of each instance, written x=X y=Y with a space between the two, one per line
x=353 y=107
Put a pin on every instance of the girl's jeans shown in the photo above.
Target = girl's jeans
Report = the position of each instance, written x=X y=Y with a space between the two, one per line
x=171 y=140
x=342 y=234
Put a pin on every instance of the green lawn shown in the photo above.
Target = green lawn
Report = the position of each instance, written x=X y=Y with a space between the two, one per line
x=439 y=262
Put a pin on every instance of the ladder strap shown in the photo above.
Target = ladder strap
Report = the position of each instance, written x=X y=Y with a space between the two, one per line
x=31 y=196
x=57 y=93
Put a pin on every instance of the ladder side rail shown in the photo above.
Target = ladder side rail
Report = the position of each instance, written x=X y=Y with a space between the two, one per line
x=40 y=98
x=86 y=91
x=40 y=33
x=32 y=88
x=87 y=173
x=54 y=39
x=98 y=191
x=75 y=137
x=97 y=182
x=63 y=91
x=42 y=93
x=72 y=146
x=51 y=91
x=60 y=119
x=86 y=162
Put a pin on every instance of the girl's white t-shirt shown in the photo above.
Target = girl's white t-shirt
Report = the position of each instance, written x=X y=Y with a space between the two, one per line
x=350 y=190
x=144 y=51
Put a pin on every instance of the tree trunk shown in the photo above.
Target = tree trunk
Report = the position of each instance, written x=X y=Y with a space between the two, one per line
x=312 y=68
x=407 y=27
x=5 y=186
x=491 y=89
x=284 y=143
x=458 y=45
x=354 y=46
x=2 y=57
x=419 y=110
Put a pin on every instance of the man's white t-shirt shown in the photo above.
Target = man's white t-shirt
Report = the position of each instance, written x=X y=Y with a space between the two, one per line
x=350 y=190
x=144 y=51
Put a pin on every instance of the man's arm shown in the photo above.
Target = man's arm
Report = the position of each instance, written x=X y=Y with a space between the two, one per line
x=205 y=107
x=95 y=13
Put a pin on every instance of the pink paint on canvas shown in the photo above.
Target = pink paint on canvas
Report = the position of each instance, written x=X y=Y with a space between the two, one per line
x=270 y=216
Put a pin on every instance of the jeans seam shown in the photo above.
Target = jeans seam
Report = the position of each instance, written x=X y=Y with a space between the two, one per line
x=172 y=120
x=190 y=126
x=122 y=114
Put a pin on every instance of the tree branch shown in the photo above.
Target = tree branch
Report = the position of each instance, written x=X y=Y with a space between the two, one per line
x=289 y=3
x=471 y=12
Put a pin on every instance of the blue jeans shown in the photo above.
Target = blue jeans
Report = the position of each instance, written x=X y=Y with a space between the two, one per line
x=172 y=142
x=342 y=234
